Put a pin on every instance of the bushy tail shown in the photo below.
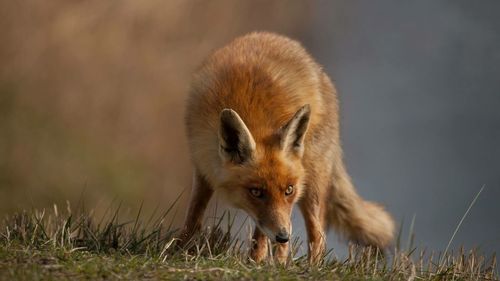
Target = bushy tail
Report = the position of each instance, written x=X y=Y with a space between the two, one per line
x=360 y=221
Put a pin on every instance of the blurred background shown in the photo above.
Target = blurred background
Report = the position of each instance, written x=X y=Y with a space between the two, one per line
x=92 y=101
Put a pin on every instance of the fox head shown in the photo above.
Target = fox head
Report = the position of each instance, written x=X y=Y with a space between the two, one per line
x=263 y=178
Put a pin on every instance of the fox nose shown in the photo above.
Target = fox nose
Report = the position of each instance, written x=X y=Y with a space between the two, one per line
x=282 y=236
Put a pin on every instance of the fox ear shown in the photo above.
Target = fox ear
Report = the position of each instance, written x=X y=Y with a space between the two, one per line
x=236 y=143
x=293 y=133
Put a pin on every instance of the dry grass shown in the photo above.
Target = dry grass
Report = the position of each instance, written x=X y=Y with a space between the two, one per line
x=62 y=243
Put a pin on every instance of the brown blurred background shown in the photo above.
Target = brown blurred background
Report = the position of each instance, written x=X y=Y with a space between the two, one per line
x=92 y=93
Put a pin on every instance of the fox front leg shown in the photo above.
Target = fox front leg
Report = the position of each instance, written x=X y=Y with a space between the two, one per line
x=259 y=249
x=282 y=252
x=200 y=196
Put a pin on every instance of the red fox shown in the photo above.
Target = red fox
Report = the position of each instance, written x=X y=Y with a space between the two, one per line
x=262 y=122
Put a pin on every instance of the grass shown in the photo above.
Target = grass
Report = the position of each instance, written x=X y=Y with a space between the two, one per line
x=59 y=244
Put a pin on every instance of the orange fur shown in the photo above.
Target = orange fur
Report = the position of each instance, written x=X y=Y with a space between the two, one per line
x=263 y=115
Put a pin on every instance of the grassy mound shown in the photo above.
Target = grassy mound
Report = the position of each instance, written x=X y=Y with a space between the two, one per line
x=64 y=245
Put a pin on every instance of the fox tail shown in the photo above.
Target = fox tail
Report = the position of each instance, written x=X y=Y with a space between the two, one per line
x=360 y=221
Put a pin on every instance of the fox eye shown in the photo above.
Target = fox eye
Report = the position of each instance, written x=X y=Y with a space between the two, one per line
x=256 y=192
x=289 y=190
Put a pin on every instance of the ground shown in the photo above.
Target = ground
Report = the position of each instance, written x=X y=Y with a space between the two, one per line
x=39 y=245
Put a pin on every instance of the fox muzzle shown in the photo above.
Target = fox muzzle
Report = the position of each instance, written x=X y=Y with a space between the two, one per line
x=282 y=236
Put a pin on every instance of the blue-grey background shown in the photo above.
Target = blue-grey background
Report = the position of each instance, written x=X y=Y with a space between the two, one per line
x=419 y=86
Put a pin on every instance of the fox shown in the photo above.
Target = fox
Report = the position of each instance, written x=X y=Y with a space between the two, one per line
x=262 y=123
